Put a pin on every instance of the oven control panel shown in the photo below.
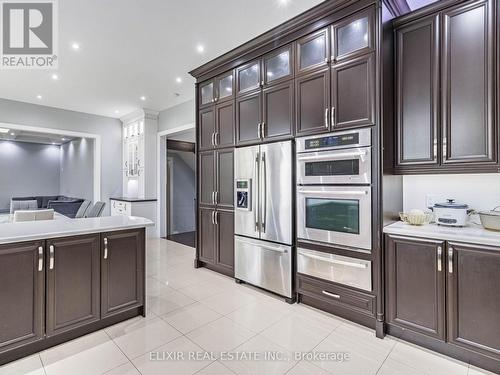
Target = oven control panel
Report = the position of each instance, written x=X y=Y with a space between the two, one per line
x=333 y=141
x=244 y=194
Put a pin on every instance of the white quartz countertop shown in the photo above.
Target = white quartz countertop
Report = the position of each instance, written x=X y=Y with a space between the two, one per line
x=472 y=233
x=36 y=230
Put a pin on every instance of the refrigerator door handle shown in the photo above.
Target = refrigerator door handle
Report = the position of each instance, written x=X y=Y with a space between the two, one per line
x=255 y=199
x=264 y=193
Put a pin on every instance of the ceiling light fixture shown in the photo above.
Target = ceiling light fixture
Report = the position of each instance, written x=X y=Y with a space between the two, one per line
x=63 y=139
x=178 y=80
x=39 y=97
x=75 y=46
x=12 y=134
x=4 y=131
x=143 y=98
x=200 y=48
x=117 y=111
x=55 y=77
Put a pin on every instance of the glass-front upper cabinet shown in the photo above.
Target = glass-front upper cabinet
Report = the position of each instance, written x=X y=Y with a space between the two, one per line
x=278 y=65
x=225 y=87
x=353 y=35
x=207 y=93
x=248 y=77
x=312 y=51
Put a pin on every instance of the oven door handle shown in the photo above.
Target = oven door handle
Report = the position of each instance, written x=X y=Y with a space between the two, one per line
x=331 y=156
x=335 y=261
x=331 y=193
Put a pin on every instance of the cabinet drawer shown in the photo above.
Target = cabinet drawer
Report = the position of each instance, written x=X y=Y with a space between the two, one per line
x=336 y=295
x=340 y=269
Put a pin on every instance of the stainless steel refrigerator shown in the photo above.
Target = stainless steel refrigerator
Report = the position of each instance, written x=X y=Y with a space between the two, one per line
x=263 y=216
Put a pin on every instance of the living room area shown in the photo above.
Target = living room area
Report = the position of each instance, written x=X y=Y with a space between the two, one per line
x=49 y=174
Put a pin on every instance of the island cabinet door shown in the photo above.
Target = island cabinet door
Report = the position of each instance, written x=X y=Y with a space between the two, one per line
x=474 y=298
x=206 y=236
x=73 y=283
x=22 y=286
x=415 y=277
x=122 y=271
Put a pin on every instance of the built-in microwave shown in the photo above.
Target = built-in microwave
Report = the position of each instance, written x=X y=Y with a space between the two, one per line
x=335 y=215
x=336 y=158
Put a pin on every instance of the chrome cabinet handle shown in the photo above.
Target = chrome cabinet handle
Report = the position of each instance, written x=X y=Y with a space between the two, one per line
x=257 y=157
x=105 y=248
x=335 y=261
x=434 y=148
x=216 y=217
x=333 y=116
x=213 y=141
x=263 y=130
x=326 y=117
x=216 y=197
x=336 y=296
x=216 y=139
x=40 y=258
x=439 y=258
x=51 y=259
x=213 y=217
x=259 y=130
x=450 y=259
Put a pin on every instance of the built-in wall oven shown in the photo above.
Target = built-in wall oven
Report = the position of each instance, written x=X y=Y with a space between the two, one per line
x=334 y=198
x=339 y=158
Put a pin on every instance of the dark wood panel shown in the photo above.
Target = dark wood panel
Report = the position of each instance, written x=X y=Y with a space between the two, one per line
x=122 y=271
x=225 y=129
x=206 y=125
x=73 y=283
x=278 y=111
x=415 y=279
x=225 y=179
x=312 y=103
x=225 y=239
x=474 y=298
x=353 y=93
x=417 y=92
x=207 y=235
x=467 y=83
x=22 y=294
x=206 y=178
x=248 y=118
x=181 y=146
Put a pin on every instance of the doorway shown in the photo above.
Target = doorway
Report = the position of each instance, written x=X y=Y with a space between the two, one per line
x=179 y=185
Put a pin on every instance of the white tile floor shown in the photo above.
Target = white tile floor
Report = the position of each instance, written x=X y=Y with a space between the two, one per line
x=199 y=310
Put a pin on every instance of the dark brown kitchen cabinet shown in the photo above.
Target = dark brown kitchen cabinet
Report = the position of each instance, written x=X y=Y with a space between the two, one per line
x=278 y=66
x=122 y=271
x=474 y=298
x=224 y=222
x=445 y=90
x=206 y=93
x=415 y=279
x=353 y=93
x=216 y=238
x=467 y=67
x=206 y=230
x=277 y=117
x=417 y=92
x=207 y=183
x=206 y=121
x=353 y=36
x=73 y=283
x=248 y=118
x=224 y=86
x=248 y=77
x=224 y=129
x=22 y=294
x=313 y=51
x=216 y=182
x=312 y=102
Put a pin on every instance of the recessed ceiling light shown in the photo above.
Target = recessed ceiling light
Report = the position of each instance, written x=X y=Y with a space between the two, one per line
x=75 y=46
x=4 y=131
x=12 y=134
x=63 y=139
x=200 y=48
x=117 y=111
x=178 y=80
x=39 y=97
x=53 y=143
x=143 y=98
x=55 y=77
x=283 y=2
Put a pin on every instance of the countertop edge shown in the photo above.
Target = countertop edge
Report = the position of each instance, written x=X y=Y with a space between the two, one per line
x=133 y=200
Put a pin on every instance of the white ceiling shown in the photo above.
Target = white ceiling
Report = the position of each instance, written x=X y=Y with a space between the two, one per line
x=134 y=48
x=35 y=137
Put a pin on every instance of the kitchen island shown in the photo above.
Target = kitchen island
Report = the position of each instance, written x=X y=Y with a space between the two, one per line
x=61 y=279
x=442 y=290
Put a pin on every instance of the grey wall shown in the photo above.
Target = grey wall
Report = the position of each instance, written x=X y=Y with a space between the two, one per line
x=27 y=169
x=176 y=116
x=183 y=193
x=77 y=169
x=109 y=129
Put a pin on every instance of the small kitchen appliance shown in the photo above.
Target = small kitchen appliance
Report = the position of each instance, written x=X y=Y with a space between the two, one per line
x=451 y=213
